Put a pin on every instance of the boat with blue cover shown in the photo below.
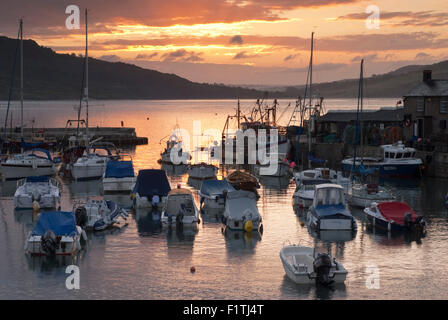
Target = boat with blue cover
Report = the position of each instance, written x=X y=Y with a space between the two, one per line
x=119 y=175
x=213 y=193
x=37 y=192
x=329 y=210
x=151 y=189
x=55 y=233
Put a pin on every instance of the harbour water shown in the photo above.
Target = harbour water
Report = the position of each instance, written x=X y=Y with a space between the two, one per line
x=142 y=261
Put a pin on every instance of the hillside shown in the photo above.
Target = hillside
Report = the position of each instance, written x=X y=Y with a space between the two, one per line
x=389 y=85
x=49 y=75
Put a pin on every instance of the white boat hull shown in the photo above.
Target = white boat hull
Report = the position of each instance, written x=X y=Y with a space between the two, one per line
x=87 y=172
x=46 y=202
x=143 y=202
x=118 y=184
x=202 y=172
x=69 y=245
x=329 y=224
x=11 y=172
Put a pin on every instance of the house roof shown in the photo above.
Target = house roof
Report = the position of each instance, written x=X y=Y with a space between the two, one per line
x=432 y=88
x=384 y=114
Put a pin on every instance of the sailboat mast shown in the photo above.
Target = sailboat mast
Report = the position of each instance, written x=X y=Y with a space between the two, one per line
x=86 y=89
x=310 y=100
x=21 y=78
x=357 y=118
x=361 y=94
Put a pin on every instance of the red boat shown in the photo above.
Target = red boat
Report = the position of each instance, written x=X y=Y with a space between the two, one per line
x=394 y=216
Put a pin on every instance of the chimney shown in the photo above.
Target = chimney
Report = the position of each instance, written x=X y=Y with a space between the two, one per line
x=427 y=77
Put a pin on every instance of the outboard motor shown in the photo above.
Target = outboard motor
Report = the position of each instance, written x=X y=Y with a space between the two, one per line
x=81 y=216
x=180 y=215
x=36 y=196
x=322 y=267
x=407 y=220
x=420 y=224
x=48 y=243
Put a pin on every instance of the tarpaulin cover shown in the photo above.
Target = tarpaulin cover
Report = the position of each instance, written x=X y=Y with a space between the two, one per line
x=119 y=169
x=215 y=187
x=38 y=179
x=28 y=145
x=60 y=222
x=241 y=203
x=396 y=211
x=152 y=182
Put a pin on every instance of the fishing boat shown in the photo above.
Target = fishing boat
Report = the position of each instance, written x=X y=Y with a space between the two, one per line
x=241 y=212
x=241 y=180
x=329 y=210
x=202 y=171
x=54 y=234
x=174 y=153
x=180 y=209
x=119 y=175
x=36 y=162
x=397 y=160
x=394 y=216
x=98 y=215
x=37 y=192
x=213 y=193
x=304 y=193
x=151 y=189
x=304 y=266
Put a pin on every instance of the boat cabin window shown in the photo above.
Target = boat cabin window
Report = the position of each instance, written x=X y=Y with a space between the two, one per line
x=407 y=155
x=308 y=174
x=329 y=196
x=399 y=155
x=386 y=154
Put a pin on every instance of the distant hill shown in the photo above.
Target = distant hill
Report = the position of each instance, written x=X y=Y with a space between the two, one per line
x=49 y=75
x=389 y=85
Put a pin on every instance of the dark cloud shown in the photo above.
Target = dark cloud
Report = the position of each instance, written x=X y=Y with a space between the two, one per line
x=291 y=57
x=244 y=55
x=369 y=57
x=406 y=18
x=236 y=40
x=182 y=55
x=146 y=56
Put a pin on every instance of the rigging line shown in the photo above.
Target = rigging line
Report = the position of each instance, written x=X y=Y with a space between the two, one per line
x=10 y=89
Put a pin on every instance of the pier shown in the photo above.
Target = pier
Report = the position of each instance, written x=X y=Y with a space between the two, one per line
x=120 y=136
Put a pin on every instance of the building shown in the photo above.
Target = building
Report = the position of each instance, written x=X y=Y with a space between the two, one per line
x=336 y=121
x=426 y=109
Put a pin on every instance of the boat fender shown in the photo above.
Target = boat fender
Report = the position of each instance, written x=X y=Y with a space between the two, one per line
x=248 y=226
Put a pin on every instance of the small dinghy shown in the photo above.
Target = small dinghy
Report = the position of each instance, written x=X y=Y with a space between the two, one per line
x=362 y=195
x=213 y=192
x=241 y=212
x=303 y=266
x=329 y=210
x=55 y=233
x=304 y=193
x=119 y=176
x=241 y=180
x=151 y=189
x=394 y=216
x=37 y=192
x=180 y=209
x=202 y=171
x=98 y=215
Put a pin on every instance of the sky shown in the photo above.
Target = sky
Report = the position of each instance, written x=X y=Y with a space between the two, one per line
x=243 y=42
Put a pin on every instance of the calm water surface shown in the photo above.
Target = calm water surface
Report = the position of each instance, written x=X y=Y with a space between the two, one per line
x=142 y=261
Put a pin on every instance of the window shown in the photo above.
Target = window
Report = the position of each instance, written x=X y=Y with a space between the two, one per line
x=392 y=155
x=386 y=155
x=407 y=155
x=444 y=105
x=420 y=104
x=399 y=155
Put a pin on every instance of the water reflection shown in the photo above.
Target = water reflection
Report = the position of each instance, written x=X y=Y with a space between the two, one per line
x=275 y=183
x=212 y=215
x=148 y=222
x=238 y=242
x=88 y=188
